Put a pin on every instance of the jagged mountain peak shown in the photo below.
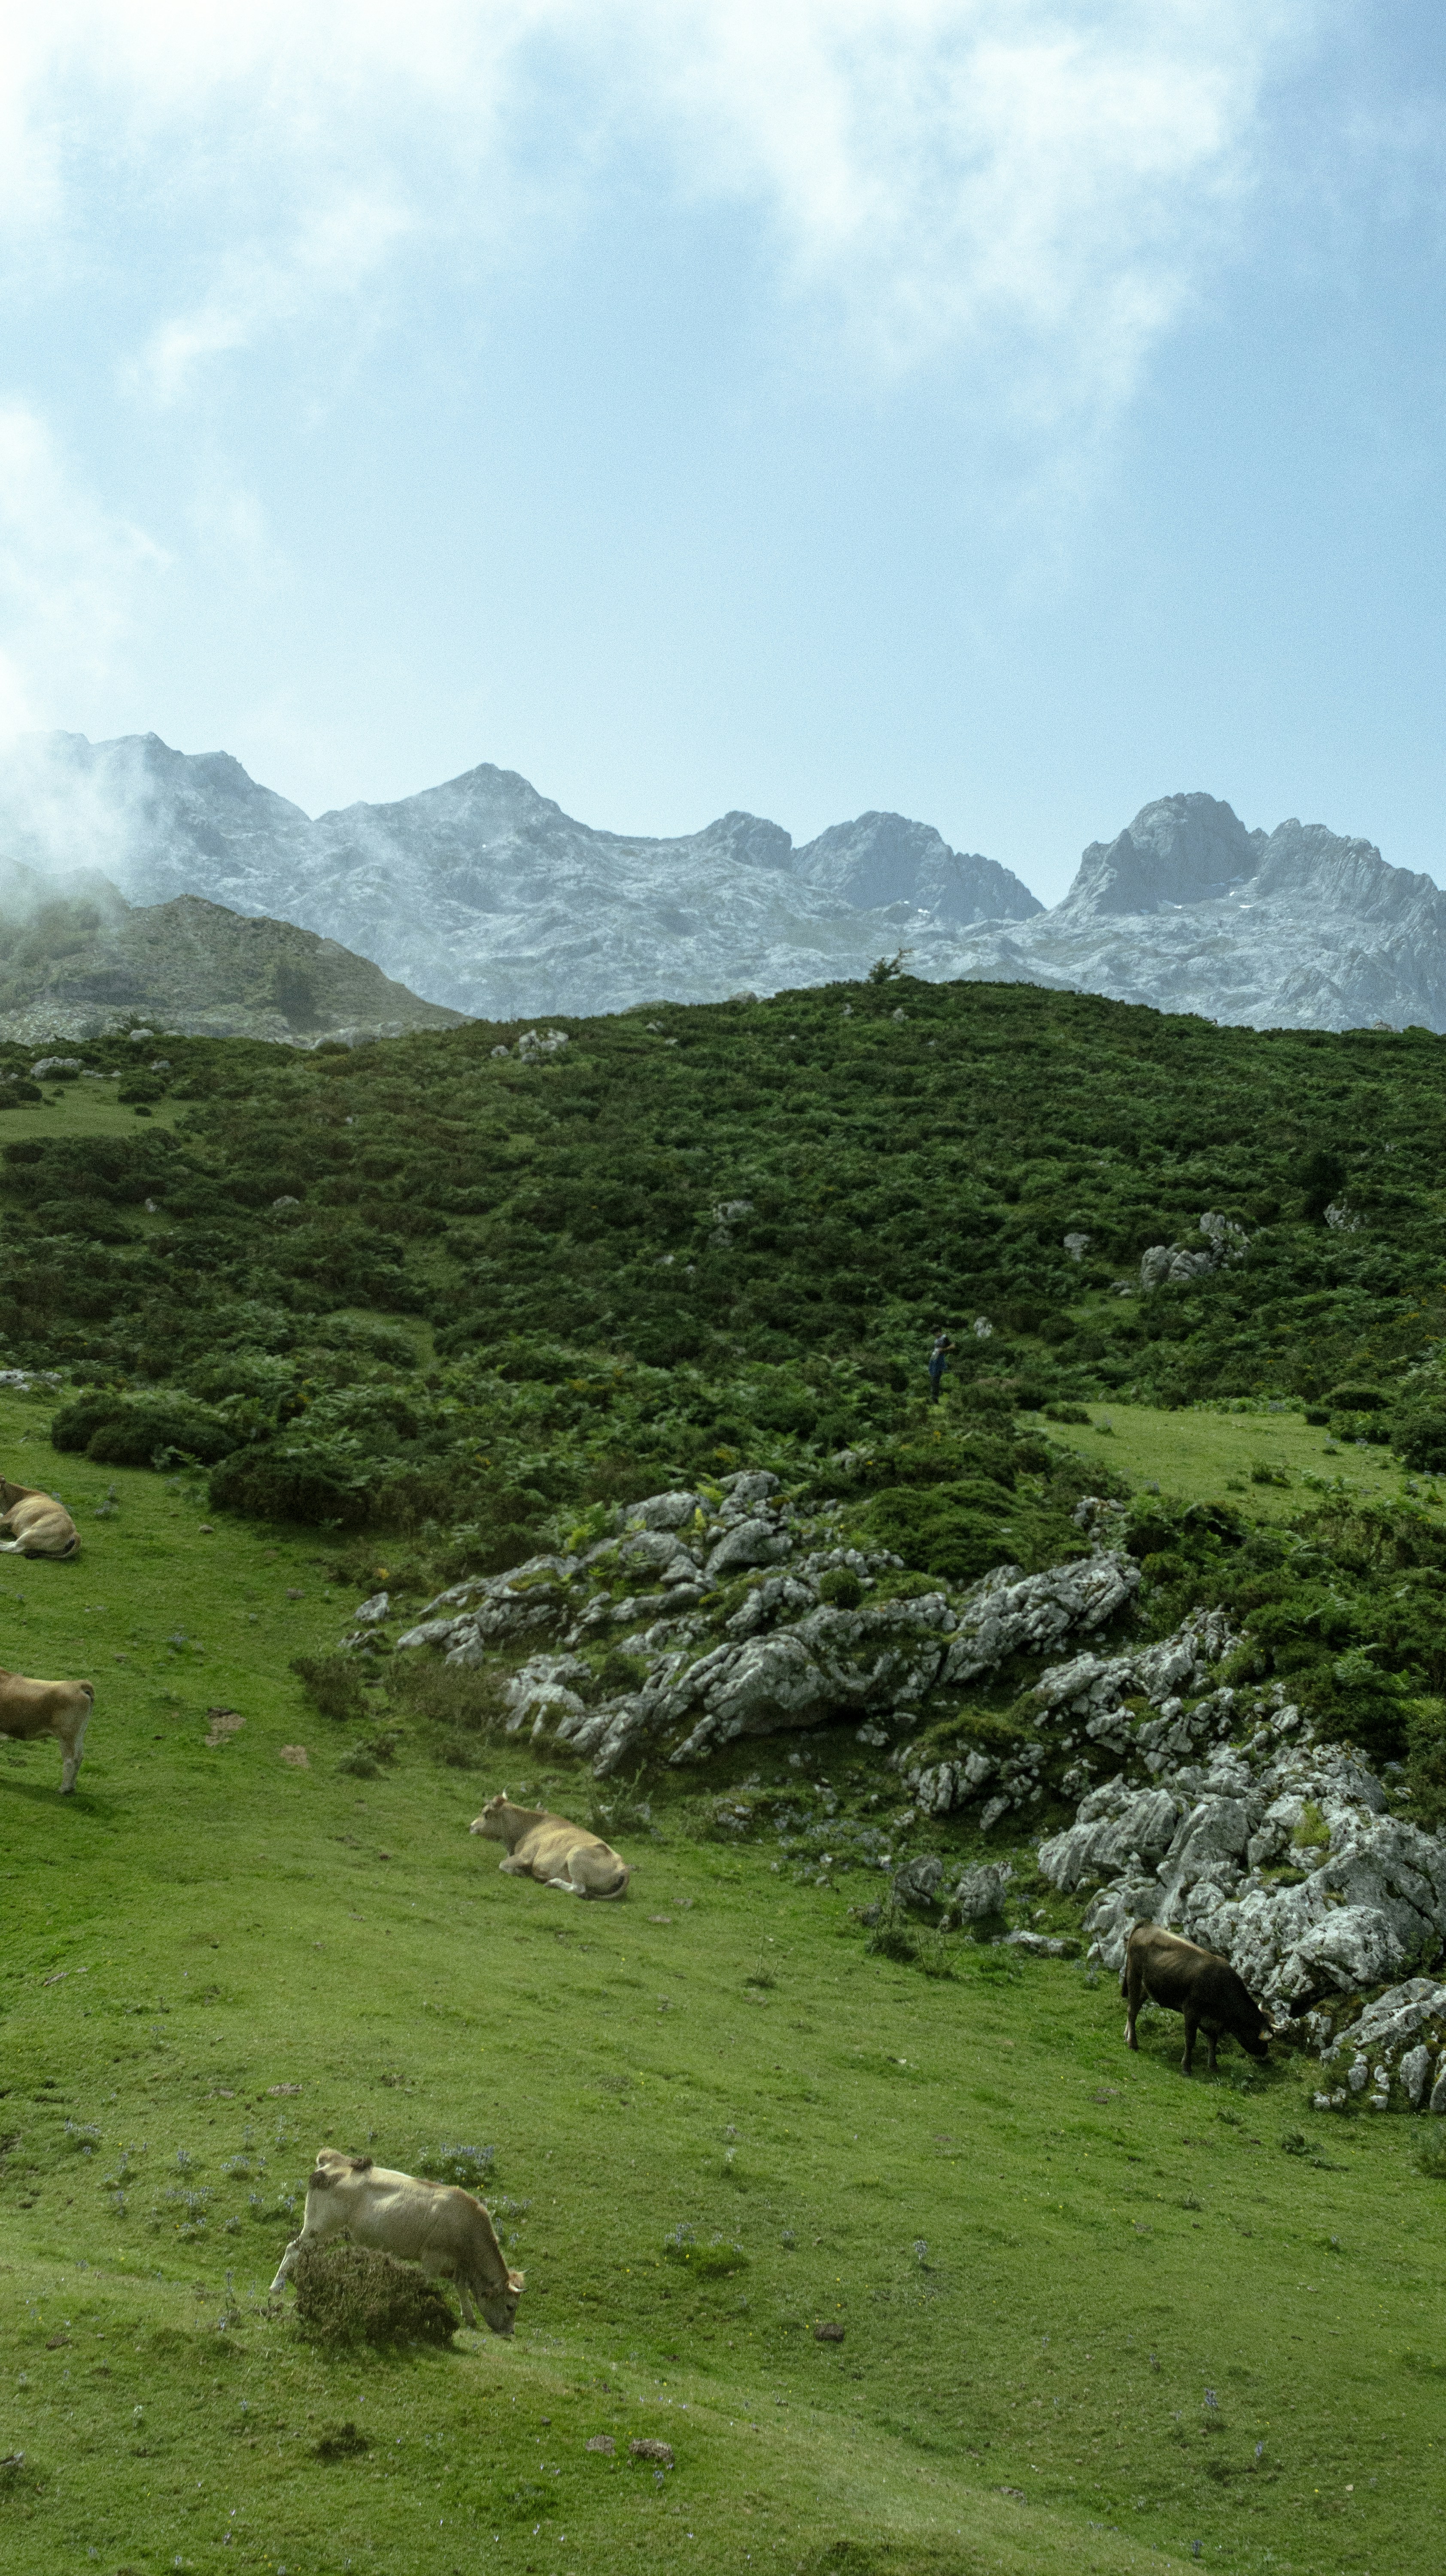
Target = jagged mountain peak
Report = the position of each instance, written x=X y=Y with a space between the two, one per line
x=1178 y=850
x=487 y=895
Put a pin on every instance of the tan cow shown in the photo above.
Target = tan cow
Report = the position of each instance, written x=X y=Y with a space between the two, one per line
x=38 y=1524
x=436 y=2225
x=547 y=1847
x=62 y=1709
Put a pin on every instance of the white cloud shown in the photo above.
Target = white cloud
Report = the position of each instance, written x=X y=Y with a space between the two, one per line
x=1039 y=181
x=72 y=577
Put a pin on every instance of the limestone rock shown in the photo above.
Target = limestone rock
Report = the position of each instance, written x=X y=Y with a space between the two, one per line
x=748 y=1543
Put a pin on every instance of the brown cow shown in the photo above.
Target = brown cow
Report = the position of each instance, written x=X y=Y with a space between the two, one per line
x=436 y=2225
x=1197 y=1983
x=543 y=1846
x=30 y=1708
x=38 y=1524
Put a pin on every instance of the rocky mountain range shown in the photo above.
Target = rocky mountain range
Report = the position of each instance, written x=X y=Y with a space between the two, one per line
x=77 y=960
x=487 y=896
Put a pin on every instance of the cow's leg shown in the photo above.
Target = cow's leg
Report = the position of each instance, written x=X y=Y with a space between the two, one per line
x=469 y=2313
x=1134 y=1989
x=312 y=2233
x=511 y=1868
x=287 y=2263
x=72 y=1752
x=1191 y=2026
x=1210 y=2039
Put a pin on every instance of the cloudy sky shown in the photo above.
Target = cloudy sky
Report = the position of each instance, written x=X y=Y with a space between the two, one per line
x=1002 y=410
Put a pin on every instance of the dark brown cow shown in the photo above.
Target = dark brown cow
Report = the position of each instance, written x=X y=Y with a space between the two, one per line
x=1194 y=1982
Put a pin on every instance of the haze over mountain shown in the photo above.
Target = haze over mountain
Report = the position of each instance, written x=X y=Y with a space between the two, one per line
x=485 y=895
x=76 y=961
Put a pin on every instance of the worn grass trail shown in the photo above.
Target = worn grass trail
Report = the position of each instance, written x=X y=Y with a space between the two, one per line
x=1092 y=2314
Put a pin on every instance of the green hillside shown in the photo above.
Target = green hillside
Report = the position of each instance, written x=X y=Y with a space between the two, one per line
x=1091 y=2317
x=321 y=1322
x=77 y=960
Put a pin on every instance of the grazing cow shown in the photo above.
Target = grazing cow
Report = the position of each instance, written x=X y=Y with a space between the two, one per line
x=547 y=1847
x=436 y=2225
x=1196 y=1983
x=38 y=1524
x=62 y=1709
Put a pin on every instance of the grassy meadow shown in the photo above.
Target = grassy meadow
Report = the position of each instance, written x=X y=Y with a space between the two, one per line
x=1201 y=1454
x=1094 y=2317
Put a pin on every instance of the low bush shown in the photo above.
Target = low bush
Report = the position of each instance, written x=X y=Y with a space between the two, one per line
x=469 y=2166
x=327 y=1484
x=333 y=1685
x=134 y=1430
x=345 y=2295
x=451 y=1705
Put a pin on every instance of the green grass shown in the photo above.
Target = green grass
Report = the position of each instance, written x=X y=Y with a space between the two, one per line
x=1043 y=2252
x=1198 y=1455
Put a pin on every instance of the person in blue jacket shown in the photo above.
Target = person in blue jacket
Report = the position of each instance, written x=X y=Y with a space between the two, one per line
x=938 y=1362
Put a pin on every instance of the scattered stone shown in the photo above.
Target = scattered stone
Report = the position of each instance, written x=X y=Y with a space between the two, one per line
x=224 y=1722
x=283 y=2088
x=296 y=1757
x=829 y=2332
x=662 y=2452
x=980 y=1892
x=601 y=2442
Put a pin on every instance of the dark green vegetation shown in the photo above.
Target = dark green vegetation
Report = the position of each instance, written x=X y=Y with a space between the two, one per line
x=466 y=1301
x=1076 y=2292
x=79 y=958
x=1092 y=2315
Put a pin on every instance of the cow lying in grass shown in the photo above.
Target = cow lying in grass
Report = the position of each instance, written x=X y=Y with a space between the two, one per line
x=38 y=1524
x=547 y=1847
x=435 y=2225
x=1196 y=1983
x=62 y=1709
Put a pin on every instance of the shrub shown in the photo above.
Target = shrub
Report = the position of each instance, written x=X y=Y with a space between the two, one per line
x=1418 y=1432
x=134 y=1430
x=346 y=2294
x=319 y=1482
x=619 y=1673
x=1430 y=2158
x=454 y=1704
x=842 y=1587
x=469 y=2166
x=1312 y=1833
x=364 y=1760
x=332 y=1684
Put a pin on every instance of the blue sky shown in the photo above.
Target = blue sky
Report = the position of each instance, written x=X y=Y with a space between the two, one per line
x=1001 y=411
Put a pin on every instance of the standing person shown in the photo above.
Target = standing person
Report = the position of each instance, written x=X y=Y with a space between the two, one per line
x=938 y=1362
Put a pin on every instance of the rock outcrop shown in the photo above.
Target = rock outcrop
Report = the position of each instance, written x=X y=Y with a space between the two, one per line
x=724 y=1607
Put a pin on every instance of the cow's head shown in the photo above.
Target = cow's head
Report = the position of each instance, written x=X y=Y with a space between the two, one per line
x=499 y=2306
x=490 y=1820
x=1257 y=2043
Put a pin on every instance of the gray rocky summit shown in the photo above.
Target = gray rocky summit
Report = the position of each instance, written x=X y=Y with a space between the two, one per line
x=486 y=896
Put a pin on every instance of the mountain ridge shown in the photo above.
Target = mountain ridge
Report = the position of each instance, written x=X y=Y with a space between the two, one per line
x=490 y=897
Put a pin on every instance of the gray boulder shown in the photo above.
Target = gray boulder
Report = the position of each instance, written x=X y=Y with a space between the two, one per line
x=917 y=1883
x=748 y=1543
x=980 y=1892
x=1012 y=1613
x=1114 y=1827
x=665 y=1511
x=1416 y=2075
